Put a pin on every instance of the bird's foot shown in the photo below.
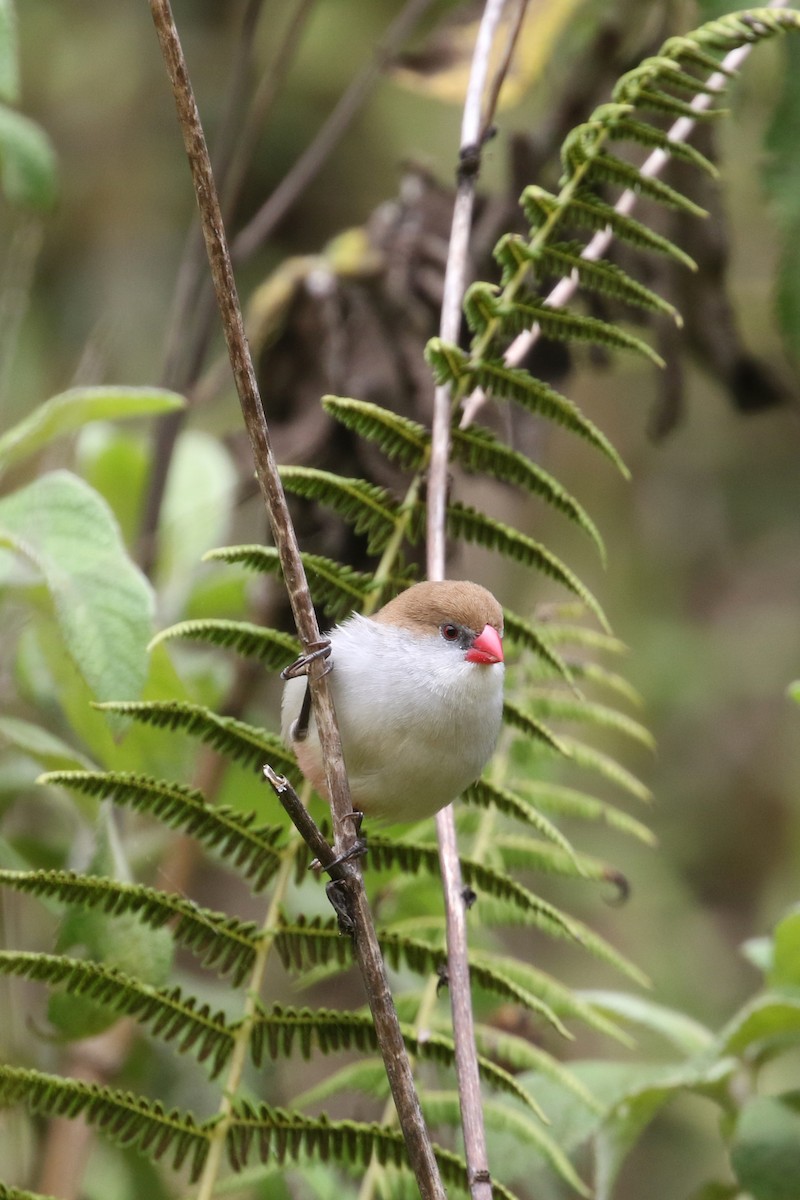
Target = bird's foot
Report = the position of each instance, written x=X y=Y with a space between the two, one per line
x=469 y=897
x=357 y=850
x=320 y=649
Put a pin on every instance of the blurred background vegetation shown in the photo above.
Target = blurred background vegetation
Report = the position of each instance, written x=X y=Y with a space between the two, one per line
x=703 y=572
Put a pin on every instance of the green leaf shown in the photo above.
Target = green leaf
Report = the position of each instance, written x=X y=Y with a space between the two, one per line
x=268 y=646
x=9 y=52
x=69 y=411
x=41 y=745
x=760 y=1029
x=684 y=1033
x=103 y=604
x=368 y=508
x=785 y=970
x=27 y=162
x=766 y=1147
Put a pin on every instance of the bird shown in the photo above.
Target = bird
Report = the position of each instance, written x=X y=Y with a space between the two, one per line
x=418 y=694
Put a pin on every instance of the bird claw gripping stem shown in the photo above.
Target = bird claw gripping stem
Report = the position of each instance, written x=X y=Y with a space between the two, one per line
x=318 y=649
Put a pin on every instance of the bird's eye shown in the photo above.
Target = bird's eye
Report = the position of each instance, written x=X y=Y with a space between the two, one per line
x=450 y=633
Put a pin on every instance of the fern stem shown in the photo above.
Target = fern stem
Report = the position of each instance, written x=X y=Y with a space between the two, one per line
x=395 y=544
x=241 y=1044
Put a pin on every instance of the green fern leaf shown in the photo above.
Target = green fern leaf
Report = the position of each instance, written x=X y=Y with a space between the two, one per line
x=526 y=635
x=170 y=1015
x=662 y=102
x=479 y=450
x=268 y=646
x=585 y=209
x=602 y=764
x=520 y=1055
x=569 y=708
x=337 y=588
x=126 y=1119
x=559 y=633
x=573 y=804
x=241 y=742
x=531 y=854
x=526 y=723
x=221 y=943
x=610 y=169
x=610 y=681
x=233 y=835
x=473 y=526
x=485 y=794
x=400 y=439
x=647 y=135
x=368 y=508
x=559 y=259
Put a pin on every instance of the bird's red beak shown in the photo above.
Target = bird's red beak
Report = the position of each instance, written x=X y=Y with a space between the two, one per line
x=487 y=647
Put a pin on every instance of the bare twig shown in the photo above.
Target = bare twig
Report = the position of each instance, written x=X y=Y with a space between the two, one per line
x=475 y=123
x=316 y=154
x=366 y=944
x=565 y=289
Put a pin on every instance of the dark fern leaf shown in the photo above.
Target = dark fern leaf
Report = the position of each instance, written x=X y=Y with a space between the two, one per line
x=268 y=646
x=405 y=441
x=485 y=794
x=243 y=743
x=251 y=849
x=169 y=1015
x=338 y=588
x=530 y=725
x=479 y=450
x=609 y=169
x=529 y=637
x=220 y=943
x=125 y=1118
x=368 y=508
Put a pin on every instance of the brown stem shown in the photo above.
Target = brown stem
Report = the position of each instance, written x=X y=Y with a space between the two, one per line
x=368 y=952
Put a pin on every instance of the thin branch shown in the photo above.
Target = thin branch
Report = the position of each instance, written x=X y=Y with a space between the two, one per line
x=476 y=120
x=317 y=153
x=366 y=944
x=596 y=248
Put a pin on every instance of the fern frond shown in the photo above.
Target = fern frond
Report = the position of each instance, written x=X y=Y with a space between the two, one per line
x=485 y=794
x=528 y=724
x=520 y=1054
x=413 y=857
x=126 y=1119
x=401 y=439
x=558 y=633
x=602 y=764
x=588 y=211
x=610 y=681
x=529 y=637
x=337 y=588
x=239 y=741
x=220 y=943
x=269 y=646
x=607 y=168
x=453 y=366
x=473 y=526
x=234 y=835
x=281 y=1027
x=166 y=1011
x=551 y=707
x=563 y=258
x=515 y=316
x=369 y=509
x=530 y=854
x=656 y=139
x=479 y=450
x=570 y=803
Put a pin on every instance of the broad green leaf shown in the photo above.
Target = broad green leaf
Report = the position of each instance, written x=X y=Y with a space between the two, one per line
x=71 y=410
x=27 y=162
x=9 y=67
x=685 y=1034
x=762 y=1026
x=102 y=603
x=766 y=1147
x=41 y=745
x=785 y=971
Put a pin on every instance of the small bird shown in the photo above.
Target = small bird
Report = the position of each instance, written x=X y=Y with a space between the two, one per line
x=418 y=693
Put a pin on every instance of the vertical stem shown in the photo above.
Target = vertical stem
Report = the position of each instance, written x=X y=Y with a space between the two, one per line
x=473 y=131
